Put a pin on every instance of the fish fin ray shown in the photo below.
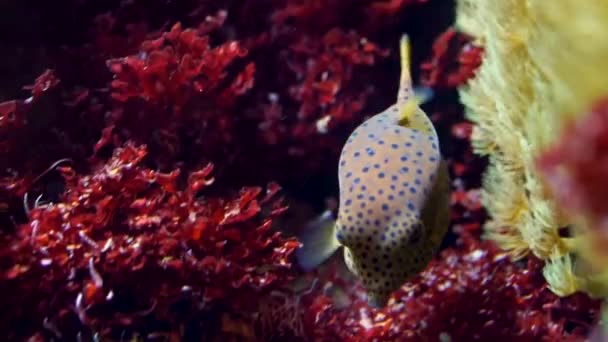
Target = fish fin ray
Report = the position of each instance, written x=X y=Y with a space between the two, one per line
x=318 y=242
x=423 y=94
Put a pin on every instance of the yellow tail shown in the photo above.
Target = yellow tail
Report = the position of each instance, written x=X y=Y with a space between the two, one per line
x=405 y=82
x=406 y=102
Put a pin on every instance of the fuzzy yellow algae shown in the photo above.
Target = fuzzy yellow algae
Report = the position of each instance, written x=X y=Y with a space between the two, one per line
x=543 y=65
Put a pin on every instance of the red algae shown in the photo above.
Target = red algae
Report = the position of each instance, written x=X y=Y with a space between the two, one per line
x=471 y=292
x=325 y=92
x=128 y=243
x=454 y=60
x=13 y=113
x=179 y=82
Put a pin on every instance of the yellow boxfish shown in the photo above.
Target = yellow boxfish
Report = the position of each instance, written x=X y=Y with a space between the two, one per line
x=394 y=197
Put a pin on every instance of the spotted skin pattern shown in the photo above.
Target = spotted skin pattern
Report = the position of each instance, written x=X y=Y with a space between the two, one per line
x=394 y=189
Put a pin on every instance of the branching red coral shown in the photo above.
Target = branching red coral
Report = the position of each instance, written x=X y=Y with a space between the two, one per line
x=454 y=60
x=168 y=70
x=321 y=15
x=13 y=113
x=325 y=69
x=472 y=292
x=127 y=234
x=34 y=127
x=179 y=83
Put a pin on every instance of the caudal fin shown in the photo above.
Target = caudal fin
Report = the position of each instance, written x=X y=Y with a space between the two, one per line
x=405 y=79
x=409 y=98
x=319 y=242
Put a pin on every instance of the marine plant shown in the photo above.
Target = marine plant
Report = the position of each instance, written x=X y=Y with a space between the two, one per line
x=539 y=72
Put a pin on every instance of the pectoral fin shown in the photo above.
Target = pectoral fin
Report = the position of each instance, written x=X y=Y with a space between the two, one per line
x=319 y=242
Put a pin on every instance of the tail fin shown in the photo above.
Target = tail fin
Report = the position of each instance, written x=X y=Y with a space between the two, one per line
x=406 y=101
x=405 y=80
x=408 y=98
x=319 y=242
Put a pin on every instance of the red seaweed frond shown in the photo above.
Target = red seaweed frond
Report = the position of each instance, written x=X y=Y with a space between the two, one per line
x=324 y=77
x=13 y=113
x=128 y=234
x=169 y=70
x=471 y=292
x=178 y=84
x=454 y=61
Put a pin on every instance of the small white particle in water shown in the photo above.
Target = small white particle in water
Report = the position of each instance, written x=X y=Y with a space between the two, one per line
x=263 y=126
x=110 y=295
x=476 y=255
x=445 y=337
x=46 y=262
x=273 y=97
x=322 y=124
